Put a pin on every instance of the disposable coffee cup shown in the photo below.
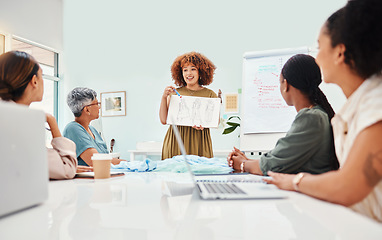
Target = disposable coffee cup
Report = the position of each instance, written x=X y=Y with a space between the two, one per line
x=101 y=165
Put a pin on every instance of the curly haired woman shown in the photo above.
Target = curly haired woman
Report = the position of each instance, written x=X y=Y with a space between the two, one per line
x=190 y=72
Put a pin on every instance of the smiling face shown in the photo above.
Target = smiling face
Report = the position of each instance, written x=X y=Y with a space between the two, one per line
x=190 y=75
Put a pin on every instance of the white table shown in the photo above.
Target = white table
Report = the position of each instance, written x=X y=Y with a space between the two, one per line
x=158 y=152
x=151 y=206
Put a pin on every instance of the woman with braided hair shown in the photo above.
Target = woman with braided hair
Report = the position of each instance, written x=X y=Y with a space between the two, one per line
x=308 y=145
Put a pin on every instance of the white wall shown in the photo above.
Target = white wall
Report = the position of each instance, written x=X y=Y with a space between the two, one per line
x=119 y=45
x=39 y=21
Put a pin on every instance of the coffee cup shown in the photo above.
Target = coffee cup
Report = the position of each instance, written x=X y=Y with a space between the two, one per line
x=101 y=165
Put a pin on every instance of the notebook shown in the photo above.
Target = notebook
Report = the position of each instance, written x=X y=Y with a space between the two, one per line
x=90 y=175
x=23 y=163
x=230 y=186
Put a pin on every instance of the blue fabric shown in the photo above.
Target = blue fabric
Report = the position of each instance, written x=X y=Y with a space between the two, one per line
x=77 y=133
x=199 y=165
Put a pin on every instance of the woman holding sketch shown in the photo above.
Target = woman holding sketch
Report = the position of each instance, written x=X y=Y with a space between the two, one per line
x=308 y=145
x=350 y=55
x=190 y=72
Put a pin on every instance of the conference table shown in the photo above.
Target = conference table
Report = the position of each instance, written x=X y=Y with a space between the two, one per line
x=160 y=205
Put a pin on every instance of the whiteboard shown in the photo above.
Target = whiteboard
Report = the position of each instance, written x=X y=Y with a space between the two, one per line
x=265 y=115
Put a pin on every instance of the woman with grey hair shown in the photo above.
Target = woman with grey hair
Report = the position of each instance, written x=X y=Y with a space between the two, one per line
x=84 y=104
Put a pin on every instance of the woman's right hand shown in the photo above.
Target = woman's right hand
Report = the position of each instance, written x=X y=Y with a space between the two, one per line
x=167 y=91
x=116 y=161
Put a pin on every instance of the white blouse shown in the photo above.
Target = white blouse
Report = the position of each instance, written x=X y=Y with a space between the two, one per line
x=362 y=109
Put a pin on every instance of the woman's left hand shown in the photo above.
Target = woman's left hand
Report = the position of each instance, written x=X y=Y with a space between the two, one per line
x=198 y=128
x=84 y=169
x=281 y=180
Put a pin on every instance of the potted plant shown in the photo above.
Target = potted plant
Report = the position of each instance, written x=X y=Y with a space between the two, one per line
x=232 y=125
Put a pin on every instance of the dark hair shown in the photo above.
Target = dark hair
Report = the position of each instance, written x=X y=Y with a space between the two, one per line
x=302 y=72
x=16 y=71
x=357 y=26
x=205 y=67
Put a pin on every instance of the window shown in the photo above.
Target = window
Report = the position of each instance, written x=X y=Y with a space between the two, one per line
x=48 y=61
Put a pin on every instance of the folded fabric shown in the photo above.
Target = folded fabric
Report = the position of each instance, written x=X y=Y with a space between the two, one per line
x=136 y=166
x=199 y=165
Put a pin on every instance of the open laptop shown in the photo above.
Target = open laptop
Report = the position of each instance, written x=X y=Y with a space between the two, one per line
x=23 y=163
x=229 y=186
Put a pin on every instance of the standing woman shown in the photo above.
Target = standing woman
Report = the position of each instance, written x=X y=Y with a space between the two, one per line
x=350 y=55
x=190 y=72
x=21 y=82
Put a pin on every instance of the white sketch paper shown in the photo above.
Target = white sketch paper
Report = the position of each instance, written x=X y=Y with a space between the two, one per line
x=191 y=111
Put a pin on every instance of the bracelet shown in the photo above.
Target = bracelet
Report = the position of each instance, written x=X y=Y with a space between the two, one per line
x=242 y=166
x=296 y=181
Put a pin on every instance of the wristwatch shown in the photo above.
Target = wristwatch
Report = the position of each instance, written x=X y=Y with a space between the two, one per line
x=296 y=181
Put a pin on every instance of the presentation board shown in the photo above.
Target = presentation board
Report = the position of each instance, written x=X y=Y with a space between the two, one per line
x=265 y=115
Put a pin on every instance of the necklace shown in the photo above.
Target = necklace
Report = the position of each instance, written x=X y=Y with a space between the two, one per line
x=192 y=92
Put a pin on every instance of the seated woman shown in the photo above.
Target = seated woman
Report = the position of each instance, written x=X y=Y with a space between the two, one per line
x=350 y=55
x=85 y=107
x=21 y=82
x=308 y=145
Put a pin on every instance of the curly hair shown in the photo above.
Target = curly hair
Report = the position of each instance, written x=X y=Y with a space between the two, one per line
x=205 y=67
x=16 y=71
x=357 y=27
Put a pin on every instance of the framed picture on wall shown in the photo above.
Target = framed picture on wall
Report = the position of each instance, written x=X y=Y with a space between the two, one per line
x=113 y=104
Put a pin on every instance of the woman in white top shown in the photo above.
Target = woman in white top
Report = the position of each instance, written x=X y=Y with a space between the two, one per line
x=21 y=82
x=350 y=55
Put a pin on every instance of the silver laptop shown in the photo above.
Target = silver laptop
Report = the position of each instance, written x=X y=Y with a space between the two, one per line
x=23 y=162
x=230 y=186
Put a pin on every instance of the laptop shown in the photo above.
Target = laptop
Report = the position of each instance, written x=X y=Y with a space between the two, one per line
x=24 y=173
x=230 y=186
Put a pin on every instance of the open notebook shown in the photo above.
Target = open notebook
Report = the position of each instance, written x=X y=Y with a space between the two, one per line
x=229 y=186
x=91 y=174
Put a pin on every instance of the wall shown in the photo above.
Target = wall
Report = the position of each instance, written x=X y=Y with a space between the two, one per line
x=119 y=45
x=39 y=21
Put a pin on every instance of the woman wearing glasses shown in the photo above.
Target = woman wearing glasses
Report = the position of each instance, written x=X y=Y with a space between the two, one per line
x=84 y=104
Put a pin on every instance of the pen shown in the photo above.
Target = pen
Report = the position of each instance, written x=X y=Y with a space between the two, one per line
x=177 y=93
